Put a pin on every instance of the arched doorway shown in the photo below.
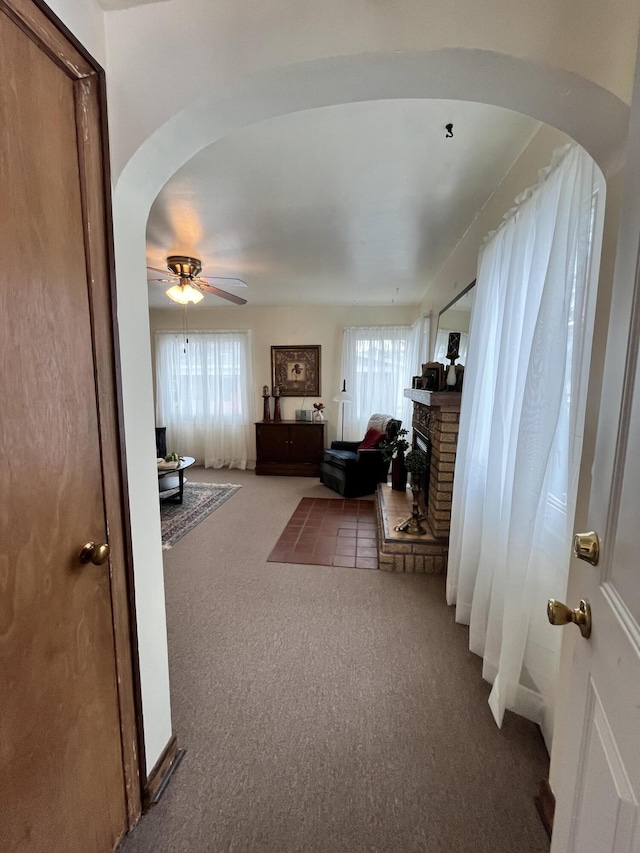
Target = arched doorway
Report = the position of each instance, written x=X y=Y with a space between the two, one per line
x=593 y=116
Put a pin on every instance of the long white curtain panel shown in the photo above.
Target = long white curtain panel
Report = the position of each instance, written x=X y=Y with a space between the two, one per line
x=520 y=437
x=377 y=365
x=204 y=391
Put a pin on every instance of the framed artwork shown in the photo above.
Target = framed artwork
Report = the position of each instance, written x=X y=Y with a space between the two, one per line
x=296 y=371
x=432 y=376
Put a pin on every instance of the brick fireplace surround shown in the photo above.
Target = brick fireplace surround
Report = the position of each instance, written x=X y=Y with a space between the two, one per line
x=436 y=415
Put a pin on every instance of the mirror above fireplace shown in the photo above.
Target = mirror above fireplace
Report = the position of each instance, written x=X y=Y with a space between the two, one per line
x=455 y=317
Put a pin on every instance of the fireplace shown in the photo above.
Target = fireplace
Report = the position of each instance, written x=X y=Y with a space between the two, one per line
x=436 y=419
x=421 y=441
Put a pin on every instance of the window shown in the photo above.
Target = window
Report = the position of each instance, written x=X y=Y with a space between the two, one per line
x=377 y=364
x=204 y=395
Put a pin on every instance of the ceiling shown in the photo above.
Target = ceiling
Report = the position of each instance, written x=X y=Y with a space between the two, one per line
x=353 y=204
x=111 y=5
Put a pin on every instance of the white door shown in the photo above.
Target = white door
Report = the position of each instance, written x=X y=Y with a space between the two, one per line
x=596 y=755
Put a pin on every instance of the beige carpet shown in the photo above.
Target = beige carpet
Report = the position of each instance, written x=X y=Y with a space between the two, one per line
x=324 y=710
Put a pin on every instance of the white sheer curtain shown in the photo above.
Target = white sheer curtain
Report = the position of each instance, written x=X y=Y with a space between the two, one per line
x=204 y=395
x=442 y=343
x=520 y=435
x=377 y=364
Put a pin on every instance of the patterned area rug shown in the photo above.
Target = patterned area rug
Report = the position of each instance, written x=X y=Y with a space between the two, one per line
x=199 y=501
x=329 y=532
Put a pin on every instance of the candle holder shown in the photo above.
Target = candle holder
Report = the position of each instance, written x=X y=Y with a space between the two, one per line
x=277 y=416
x=416 y=462
x=266 y=413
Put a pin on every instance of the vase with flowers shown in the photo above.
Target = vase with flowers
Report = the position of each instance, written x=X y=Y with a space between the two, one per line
x=318 y=411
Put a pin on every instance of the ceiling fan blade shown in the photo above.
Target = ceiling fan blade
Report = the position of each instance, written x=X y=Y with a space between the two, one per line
x=209 y=288
x=164 y=271
x=232 y=282
x=162 y=280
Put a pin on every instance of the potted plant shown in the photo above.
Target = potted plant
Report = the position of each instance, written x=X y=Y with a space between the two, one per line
x=393 y=450
x=416 y=464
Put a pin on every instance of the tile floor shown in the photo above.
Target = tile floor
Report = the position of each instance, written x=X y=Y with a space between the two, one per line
x=329 y=532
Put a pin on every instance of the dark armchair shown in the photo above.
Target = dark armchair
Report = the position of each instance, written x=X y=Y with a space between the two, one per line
x=354 y=471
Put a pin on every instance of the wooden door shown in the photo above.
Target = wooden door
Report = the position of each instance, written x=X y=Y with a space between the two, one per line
x=597 y=741
x=68 y=779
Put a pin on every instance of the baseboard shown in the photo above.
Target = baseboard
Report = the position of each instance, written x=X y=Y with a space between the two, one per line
x=162 y=772
x=546 y=805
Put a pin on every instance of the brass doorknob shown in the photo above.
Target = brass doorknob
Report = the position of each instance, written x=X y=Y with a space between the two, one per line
x=96 y=554
x=559 y=614
x=586 y=546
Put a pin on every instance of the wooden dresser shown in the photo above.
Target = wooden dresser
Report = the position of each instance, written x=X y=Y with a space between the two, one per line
x=291 y=448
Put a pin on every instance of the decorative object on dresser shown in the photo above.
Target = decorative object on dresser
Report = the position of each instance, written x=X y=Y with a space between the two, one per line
x=296 y=370
x=266 y=414
x=289 y=448
x=355 y=468
x=277 y=416
x=318 y=412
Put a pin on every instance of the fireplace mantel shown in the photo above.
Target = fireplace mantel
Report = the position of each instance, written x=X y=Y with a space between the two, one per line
x=434 y=398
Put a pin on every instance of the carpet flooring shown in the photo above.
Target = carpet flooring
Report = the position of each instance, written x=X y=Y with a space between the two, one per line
x=327 y=711
x=327 y=532
x=198 y=501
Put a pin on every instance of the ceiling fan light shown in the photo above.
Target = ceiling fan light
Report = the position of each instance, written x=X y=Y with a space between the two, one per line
x=184 y=293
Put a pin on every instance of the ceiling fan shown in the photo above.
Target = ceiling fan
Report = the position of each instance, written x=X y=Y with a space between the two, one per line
x=188 y=285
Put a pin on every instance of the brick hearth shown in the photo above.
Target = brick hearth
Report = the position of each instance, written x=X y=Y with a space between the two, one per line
x=436 y=416
x=401 y=552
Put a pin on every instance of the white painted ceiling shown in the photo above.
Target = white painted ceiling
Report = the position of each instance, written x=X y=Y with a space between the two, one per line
x=111 y=5
x=353 y=204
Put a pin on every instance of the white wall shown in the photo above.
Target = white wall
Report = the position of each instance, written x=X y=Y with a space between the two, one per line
x=460 y=267
x=246 y=39
x=85 y=20
x=292 y=325
x=142 y=474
